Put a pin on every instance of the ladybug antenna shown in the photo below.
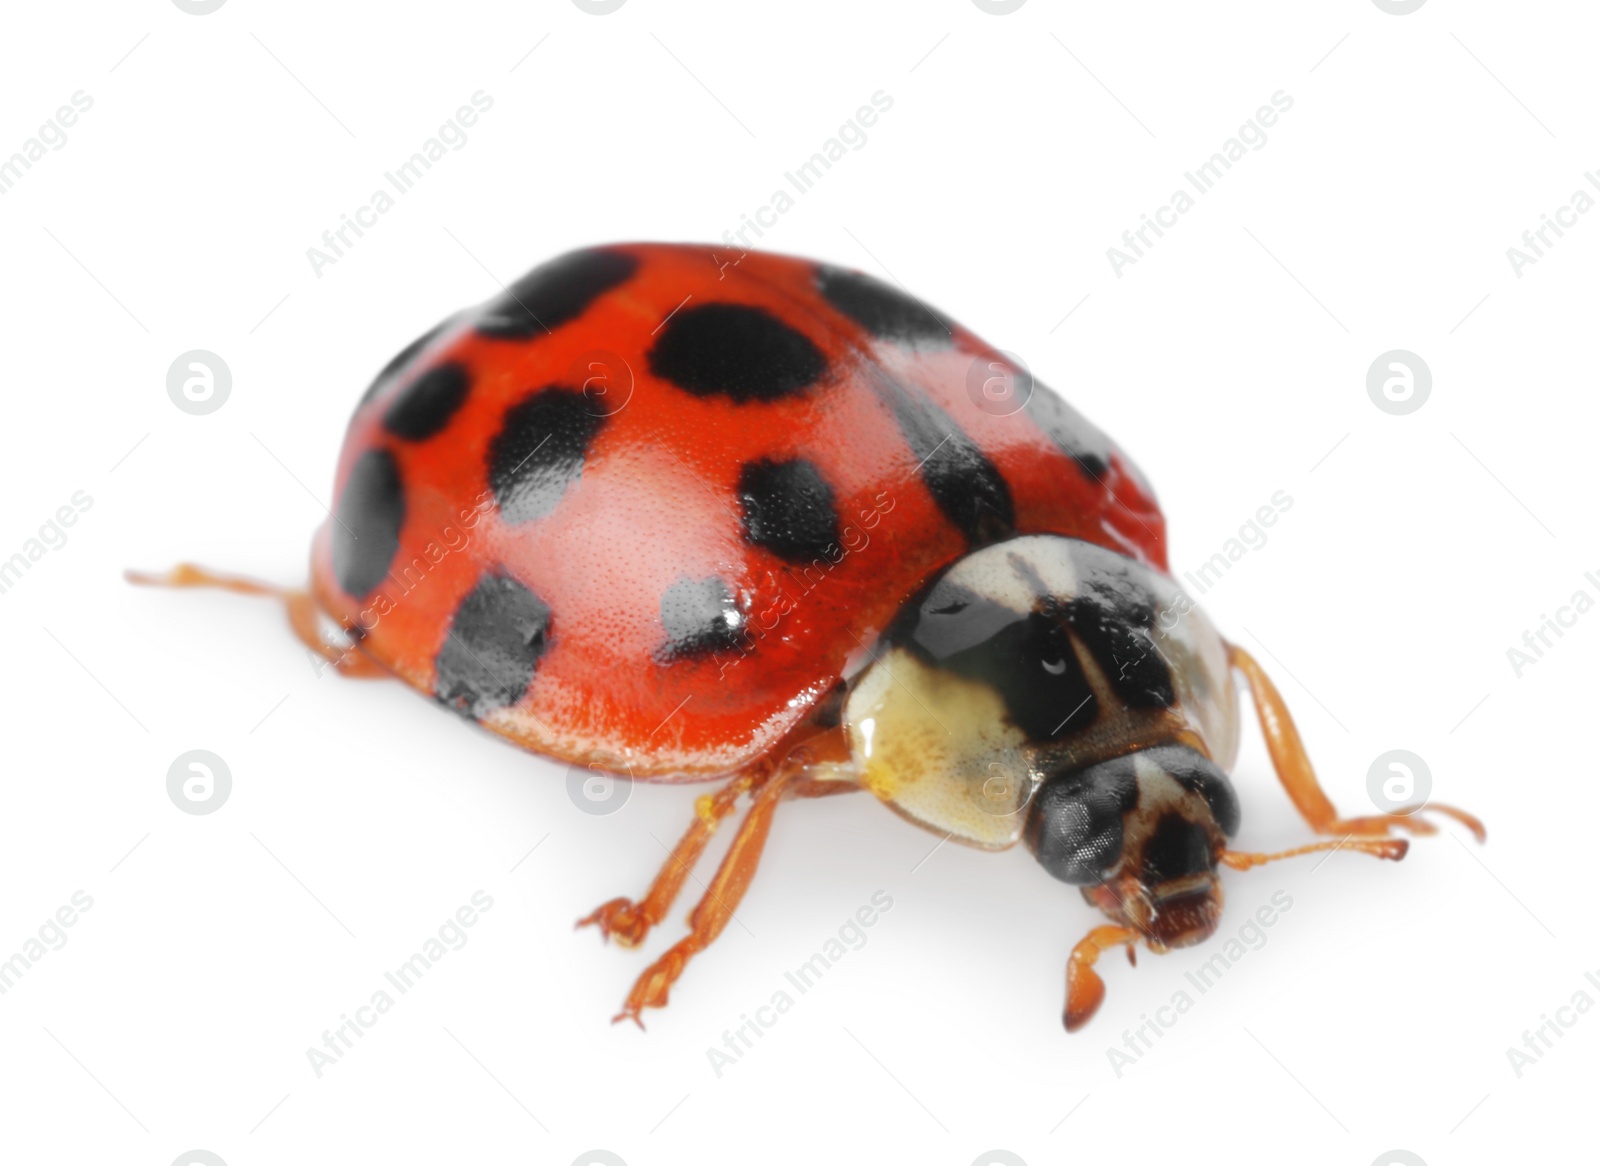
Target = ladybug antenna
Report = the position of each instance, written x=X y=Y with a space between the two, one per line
x=1390 y=848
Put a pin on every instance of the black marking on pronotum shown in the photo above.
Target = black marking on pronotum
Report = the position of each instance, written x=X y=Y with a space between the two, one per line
x=1114 y=616
x=885 y=312
x=699 y=616
x=789 y=509
x=539 y=452
x=1071 y=431
x=1126 y=653
x=743 y=352
x=496 y=639
x=366 y=530
x=402 y=358
x=1027 y=659
x=1074 y=825
x=967 y=487
x=555 y=292
x=425 y=406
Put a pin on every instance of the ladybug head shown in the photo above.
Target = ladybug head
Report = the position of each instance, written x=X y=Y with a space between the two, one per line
x=1049 y=690
x=1142 y=835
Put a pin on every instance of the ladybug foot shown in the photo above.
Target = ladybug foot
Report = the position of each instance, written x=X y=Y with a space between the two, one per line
x=650 y=989
x=622 y=920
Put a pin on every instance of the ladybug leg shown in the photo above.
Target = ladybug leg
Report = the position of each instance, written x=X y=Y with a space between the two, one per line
x=300 y=607
x=627 y=921
x=812 y=788
x=1300 y=780
x=1085 y=988
x=718 y=904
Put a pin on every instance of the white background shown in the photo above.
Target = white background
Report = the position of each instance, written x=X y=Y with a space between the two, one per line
x=1230 y=361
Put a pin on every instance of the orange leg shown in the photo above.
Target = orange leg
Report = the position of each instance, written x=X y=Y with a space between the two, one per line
x=718 y=904
x=628 y=922
x=301 y=609
x=1085 y=988
x=1300 y=780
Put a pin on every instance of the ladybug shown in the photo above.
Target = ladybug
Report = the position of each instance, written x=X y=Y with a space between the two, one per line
x=685 y=515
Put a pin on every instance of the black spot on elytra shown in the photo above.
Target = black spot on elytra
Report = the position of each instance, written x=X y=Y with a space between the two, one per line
x=1074 y=825
x=699 y=615
x=789 y=509
x=539 y=452
x=966 y=485
x=1027 y=659
x=746 y=353
x=425 y=406
x=366 y=532
x=555 y=292
x=885 y=312
x=401 y=359
x=1071 y=431
x=497 y=637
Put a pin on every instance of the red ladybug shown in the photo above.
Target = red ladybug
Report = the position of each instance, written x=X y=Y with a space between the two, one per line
x=690 y=515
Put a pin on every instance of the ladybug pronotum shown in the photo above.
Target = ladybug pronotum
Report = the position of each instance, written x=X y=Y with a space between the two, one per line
x=693 y=516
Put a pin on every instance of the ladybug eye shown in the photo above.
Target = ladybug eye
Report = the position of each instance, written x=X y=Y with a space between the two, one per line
x=1054 y=667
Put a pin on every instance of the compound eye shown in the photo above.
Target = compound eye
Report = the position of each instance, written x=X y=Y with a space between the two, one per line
x=1074 y=827
x=1056 y=667
x=1200 y=776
